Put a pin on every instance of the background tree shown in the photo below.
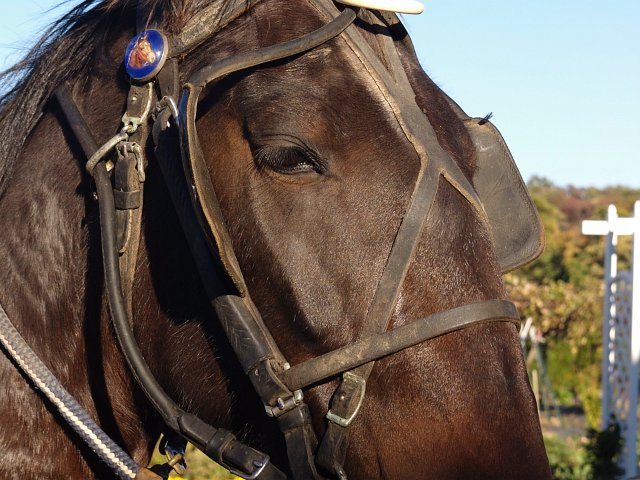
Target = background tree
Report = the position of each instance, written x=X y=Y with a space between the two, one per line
x=562 y=291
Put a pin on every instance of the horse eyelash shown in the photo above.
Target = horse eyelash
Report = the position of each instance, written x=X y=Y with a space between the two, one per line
x=277 y=157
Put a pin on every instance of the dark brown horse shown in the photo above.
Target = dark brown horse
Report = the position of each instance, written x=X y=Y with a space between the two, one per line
x=314 y=174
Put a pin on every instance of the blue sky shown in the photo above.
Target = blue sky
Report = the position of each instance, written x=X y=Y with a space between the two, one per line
x=561 y=77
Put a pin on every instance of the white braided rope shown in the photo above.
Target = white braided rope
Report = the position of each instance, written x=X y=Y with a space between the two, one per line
x=95 y=442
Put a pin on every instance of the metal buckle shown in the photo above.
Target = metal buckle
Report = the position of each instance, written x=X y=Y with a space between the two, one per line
x=360 y=384
x=130 y=123
x=174 y=450
x=126 y=148
x=175 y=458
x=260 y=466
x=284 y=405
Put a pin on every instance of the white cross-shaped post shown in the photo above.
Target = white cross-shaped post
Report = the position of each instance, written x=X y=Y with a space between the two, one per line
x=612 y=228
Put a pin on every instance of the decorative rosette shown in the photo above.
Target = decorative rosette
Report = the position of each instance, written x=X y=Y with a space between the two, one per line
x=145 y=55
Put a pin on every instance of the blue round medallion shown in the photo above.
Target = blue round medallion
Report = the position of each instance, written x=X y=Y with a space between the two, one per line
x=145 y=54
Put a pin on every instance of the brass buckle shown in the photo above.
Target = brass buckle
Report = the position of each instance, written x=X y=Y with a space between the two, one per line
x=175 y=455
x=360 y=385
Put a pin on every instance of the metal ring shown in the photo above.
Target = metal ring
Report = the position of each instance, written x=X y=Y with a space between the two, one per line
x=103 y=150
x=171 y=103
x=131 y=124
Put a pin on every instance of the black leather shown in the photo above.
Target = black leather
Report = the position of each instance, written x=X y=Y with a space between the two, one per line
x=517 y=231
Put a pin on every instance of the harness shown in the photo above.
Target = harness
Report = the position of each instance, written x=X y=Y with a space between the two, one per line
x=160 y=108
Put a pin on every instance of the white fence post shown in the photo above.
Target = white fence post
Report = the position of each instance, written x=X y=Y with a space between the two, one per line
x=620 y=331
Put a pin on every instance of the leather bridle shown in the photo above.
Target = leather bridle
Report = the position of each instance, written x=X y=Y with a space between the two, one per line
x=279 y=385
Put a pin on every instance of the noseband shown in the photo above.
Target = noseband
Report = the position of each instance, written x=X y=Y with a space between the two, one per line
x=158 y=96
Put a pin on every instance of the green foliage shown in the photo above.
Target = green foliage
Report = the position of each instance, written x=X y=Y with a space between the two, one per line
x=567 y=459
x=549 y=266
x=592 y=458
x=562 y=291
x=561 y=369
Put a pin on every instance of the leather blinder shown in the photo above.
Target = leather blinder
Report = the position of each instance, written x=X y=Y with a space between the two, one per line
x=515 y=224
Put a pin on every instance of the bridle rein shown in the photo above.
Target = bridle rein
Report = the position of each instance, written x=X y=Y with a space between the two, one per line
x=158 y=106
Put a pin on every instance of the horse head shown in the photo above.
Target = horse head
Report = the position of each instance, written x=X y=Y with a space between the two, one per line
x=319 y=221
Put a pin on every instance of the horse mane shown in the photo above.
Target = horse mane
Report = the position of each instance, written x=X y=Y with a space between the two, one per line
x=68 y=49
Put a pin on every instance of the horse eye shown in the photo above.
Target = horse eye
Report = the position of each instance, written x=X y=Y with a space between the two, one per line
x=289 y=160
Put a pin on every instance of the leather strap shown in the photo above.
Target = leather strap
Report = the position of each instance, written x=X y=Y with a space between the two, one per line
x=301 y=443
x=211 y=19
x=234 y=454
x=129 y=190
x=347 y=398
x=396 y=90
x=382 y=344
x=515 y=224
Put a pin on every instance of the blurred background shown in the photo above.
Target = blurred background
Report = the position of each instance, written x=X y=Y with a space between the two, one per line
x=561 y=79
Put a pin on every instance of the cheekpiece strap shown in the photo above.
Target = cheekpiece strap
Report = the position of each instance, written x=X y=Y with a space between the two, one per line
x=128 y=179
